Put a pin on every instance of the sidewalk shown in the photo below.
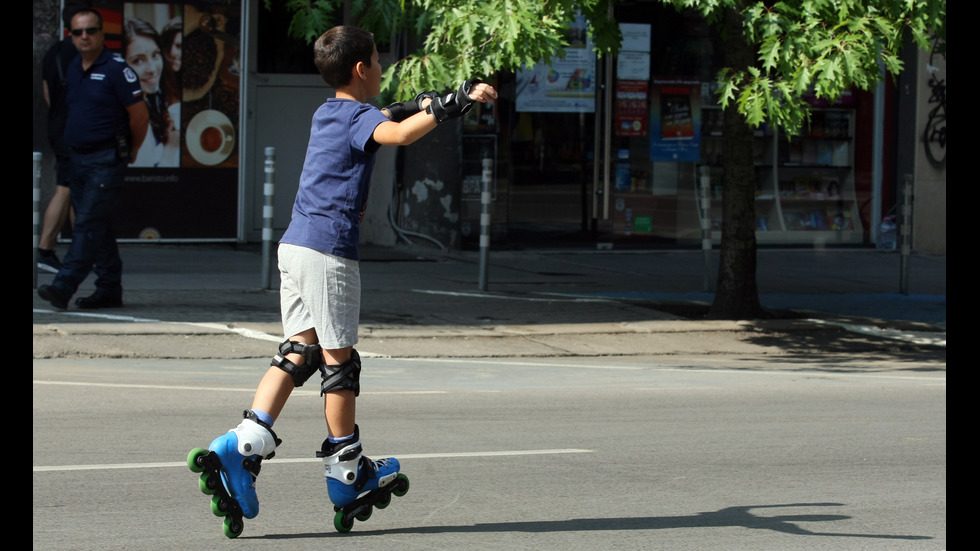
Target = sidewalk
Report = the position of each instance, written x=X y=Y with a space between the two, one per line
x=421 y=301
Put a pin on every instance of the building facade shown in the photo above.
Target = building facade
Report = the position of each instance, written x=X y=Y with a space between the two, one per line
x=612 y=152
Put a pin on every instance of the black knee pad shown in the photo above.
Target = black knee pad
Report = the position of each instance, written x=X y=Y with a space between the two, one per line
x=312 y=354
x=346 y=376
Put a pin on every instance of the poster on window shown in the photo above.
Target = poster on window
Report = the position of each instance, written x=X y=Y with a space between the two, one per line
x=636 y=37
x=631 y=108
x=566 y=85
x=183 y=184
x=675 y=120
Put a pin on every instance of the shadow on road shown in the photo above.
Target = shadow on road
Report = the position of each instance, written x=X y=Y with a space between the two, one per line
x=739 y=516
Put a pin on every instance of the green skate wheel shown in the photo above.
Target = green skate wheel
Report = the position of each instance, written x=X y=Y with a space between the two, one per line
x=218 y=507
x=233 y=528
x=402 y=482
x=365 y=515
x=207 y=484
x=383 y=501
x=193 y=458
x=340 y=525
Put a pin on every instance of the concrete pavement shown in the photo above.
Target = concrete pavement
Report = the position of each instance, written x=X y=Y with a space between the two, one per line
x=208 y=300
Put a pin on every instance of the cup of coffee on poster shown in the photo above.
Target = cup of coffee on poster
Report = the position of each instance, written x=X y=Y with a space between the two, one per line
x=210 y=137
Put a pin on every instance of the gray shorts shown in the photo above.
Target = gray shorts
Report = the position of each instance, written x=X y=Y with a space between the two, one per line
x=319 y=291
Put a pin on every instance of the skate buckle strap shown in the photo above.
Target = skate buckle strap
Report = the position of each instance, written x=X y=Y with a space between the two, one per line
x=366 y=466
x=349 y=453
x=253 y=465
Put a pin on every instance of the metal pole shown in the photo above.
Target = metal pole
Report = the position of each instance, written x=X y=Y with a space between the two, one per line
x=607 y=115
x=705 y=191
x=607 y=133
x=905 y=231
x=877 y=154
x=485 y=198
x=597 y=161
x=269 y=191
x=37 y=209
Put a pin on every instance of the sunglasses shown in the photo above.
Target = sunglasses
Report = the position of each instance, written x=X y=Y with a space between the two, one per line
x=89 y=31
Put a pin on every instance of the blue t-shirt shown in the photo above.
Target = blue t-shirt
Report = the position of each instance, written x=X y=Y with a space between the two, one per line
x=333 y=187
x=97 y=100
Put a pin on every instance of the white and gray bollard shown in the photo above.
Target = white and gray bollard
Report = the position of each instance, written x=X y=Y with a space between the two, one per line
x=268 y=189
x=705 y=191
x=485 y=200
x=905 y=233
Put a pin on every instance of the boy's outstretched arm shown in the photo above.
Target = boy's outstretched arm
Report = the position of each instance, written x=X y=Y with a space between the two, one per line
x=438 y=109
x=402 y=110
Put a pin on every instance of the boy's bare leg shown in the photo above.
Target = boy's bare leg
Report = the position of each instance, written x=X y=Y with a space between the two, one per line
x=235 y=456
x=339 y=406
x=355 y=483
x=276 y=386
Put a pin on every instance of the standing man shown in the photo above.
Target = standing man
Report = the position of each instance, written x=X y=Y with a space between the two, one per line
x=107 y=122
x=55 y=71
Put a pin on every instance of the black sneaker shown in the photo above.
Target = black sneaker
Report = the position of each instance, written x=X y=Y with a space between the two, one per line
x=100 y=299
x=55 y=296
x=48 y=261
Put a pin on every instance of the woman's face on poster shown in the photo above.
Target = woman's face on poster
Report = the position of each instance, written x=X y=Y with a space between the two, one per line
x=143 y=55
x=174 y=55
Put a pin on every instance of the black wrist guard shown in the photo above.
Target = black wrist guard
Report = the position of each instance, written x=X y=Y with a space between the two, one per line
x=402 y=110
x=454 y=104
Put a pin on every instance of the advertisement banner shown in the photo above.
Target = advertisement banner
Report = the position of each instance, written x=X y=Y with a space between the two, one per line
x=183 y=184
x=631 y=108
x=567 y=85
x=675 y=120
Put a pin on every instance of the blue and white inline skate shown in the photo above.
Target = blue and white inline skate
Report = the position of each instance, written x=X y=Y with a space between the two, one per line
x=356 y=484
x=228 y=469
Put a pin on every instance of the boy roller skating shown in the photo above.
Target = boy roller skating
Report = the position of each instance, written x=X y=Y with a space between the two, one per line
x=320 y=291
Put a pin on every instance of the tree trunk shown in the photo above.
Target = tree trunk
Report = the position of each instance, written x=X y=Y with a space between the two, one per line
x=737 y=296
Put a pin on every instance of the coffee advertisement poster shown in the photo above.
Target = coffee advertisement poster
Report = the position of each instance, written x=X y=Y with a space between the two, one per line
x=183 y=183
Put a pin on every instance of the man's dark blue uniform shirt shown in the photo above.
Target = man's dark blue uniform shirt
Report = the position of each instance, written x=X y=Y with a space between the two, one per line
x=98 y=98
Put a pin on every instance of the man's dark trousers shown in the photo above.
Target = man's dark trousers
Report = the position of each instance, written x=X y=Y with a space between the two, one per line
x=96 y=183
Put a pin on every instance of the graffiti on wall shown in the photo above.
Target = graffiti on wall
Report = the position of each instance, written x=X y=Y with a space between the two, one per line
x=934 y=137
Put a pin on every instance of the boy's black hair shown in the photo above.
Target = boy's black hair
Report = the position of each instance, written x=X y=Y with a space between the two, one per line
x=338 y=50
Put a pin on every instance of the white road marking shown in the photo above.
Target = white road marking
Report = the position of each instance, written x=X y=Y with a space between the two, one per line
x=111 y=317
x=260 y=335
x=225 y=389
x=401 y=457
x=495 y=361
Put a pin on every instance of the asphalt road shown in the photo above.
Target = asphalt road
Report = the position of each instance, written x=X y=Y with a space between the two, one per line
x=573 y=454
